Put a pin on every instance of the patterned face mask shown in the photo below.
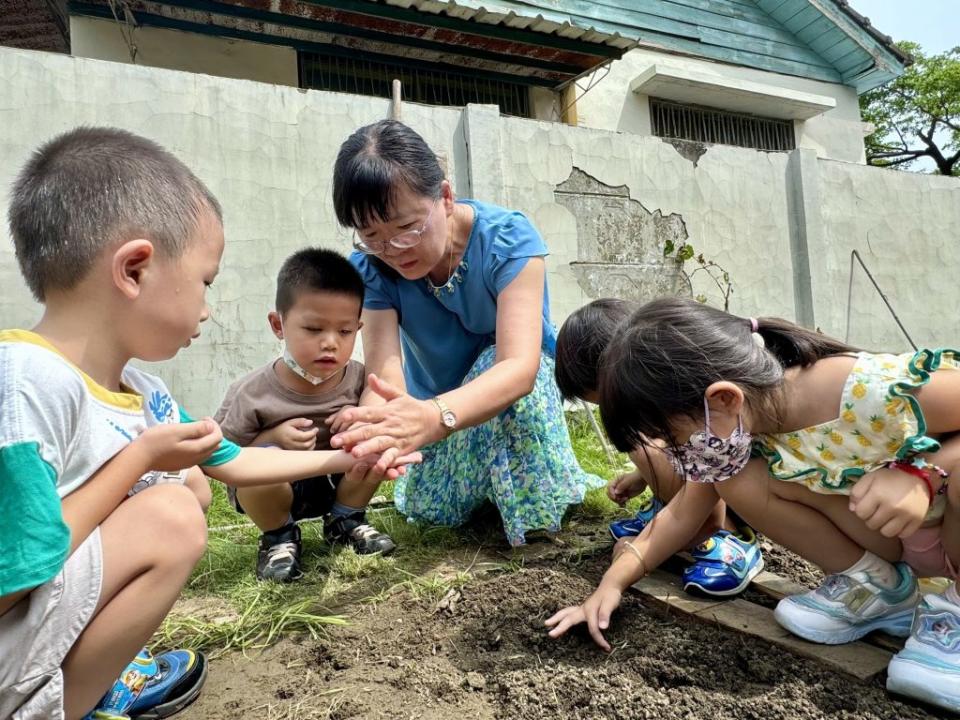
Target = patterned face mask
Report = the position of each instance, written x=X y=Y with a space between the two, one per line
x=708 y=458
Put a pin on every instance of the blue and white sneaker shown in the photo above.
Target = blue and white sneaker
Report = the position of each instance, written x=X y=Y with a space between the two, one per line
x=154 y=687
x=126 y=689
x=177 y=683
x=928 y=667
x=724 y=564
x=631 y=527
x=846 y=607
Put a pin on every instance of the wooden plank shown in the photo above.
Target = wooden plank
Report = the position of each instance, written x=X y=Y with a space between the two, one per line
x=666 y=590
x=775 y=586
x=858 y=659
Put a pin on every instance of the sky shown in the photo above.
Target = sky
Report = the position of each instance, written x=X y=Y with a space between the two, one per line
x=935 y=24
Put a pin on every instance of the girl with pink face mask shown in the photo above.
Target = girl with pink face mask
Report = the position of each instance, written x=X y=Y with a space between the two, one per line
x=843 y=457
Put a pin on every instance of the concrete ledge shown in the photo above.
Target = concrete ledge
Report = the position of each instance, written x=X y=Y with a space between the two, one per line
x=686 y=85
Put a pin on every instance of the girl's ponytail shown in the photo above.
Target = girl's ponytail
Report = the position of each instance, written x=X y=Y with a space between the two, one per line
x=793 y=345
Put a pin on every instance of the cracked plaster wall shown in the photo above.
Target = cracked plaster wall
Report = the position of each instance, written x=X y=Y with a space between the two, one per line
x=733 y=205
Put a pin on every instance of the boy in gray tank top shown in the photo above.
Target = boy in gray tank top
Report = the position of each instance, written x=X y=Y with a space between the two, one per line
x=286 y=403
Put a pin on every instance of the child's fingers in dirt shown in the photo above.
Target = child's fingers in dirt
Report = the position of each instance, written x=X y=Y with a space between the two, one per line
x=564 y=620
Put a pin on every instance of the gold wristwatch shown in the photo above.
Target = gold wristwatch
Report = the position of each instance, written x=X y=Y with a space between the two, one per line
x=447 y=416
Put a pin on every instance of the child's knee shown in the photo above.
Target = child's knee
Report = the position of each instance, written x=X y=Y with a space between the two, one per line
x=178 y=518
x=198 y=484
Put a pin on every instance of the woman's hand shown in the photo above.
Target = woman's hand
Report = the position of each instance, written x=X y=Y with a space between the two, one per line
x=595 y=612
x=398 y=427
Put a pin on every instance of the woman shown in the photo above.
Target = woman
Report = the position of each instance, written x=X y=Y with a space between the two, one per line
x=457 y=335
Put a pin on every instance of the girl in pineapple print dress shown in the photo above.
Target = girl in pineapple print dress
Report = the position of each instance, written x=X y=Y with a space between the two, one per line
x=841 y=456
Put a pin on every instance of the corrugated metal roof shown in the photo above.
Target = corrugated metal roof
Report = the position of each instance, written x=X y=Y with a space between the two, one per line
x=534 y=18
x=743 y=32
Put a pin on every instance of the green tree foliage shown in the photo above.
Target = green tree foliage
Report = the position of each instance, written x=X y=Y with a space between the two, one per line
x=918 y=114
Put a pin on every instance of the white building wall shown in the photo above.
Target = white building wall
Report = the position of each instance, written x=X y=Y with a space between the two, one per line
x=609 y=105
x=192 y=52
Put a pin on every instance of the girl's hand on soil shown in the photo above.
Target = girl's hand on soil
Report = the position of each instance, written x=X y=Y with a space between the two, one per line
x=627 y=486
x=398 y=427
x=891 y=501
x=595 y=611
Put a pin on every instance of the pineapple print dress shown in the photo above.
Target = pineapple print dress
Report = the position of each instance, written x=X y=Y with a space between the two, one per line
x=879 y=420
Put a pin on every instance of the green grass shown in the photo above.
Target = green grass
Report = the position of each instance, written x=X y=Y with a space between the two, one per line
x=224 y=607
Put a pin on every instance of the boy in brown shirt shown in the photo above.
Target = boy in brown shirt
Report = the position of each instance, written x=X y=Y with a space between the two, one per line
x=285 y=403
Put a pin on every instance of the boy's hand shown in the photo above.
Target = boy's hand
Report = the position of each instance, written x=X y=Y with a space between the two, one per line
x=176 y=446
x=595 y=611
x=627 y=486
x=295 y=434
x=891 y=501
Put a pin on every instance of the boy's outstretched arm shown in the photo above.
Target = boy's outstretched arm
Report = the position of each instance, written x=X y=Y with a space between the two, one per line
x=266 y=466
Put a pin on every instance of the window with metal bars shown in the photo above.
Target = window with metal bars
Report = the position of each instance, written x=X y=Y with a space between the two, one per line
x=430 y=86
x=701 y=124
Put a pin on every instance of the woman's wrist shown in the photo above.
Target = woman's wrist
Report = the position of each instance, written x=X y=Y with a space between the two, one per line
x=434 y=427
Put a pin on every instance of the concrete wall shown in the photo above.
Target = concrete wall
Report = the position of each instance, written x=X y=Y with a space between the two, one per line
x=266 y=152
x=782 y=224
x=192 y=52
x=609 y=105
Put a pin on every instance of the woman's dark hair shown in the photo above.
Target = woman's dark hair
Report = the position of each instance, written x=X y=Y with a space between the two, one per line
x=373 y=163
x=671 y=350
x=584 y=335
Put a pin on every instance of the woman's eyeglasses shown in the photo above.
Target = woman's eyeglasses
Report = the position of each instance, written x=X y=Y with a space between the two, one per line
x=402 y=241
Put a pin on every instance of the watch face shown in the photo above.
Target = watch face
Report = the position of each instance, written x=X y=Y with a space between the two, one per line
x=449 y=419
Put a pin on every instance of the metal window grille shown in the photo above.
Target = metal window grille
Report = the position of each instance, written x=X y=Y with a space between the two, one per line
x=360 y=76
x=700 y=124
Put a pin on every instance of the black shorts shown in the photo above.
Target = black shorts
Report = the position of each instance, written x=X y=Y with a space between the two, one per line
x=312 y=498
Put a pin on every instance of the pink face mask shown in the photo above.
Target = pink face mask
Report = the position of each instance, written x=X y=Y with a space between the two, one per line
x=708 y=458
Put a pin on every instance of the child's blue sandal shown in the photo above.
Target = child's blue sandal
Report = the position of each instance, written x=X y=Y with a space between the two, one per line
x=724 y=564
x=631 y=527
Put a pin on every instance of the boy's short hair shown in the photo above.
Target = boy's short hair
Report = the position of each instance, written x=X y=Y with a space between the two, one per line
x=316 y=270
x=582 y=339
x=92 y=187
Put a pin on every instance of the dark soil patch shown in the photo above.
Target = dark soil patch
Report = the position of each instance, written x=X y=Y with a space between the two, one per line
x=485 y=654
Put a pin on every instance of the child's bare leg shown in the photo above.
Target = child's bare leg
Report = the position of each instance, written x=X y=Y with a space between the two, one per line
x=666 y=483
x=198 y=484
x=355 y=490
x=267 y=505
x=141 y=581
x=818 y=527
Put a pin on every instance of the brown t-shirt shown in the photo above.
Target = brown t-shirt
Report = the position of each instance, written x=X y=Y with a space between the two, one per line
x=259 y=401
